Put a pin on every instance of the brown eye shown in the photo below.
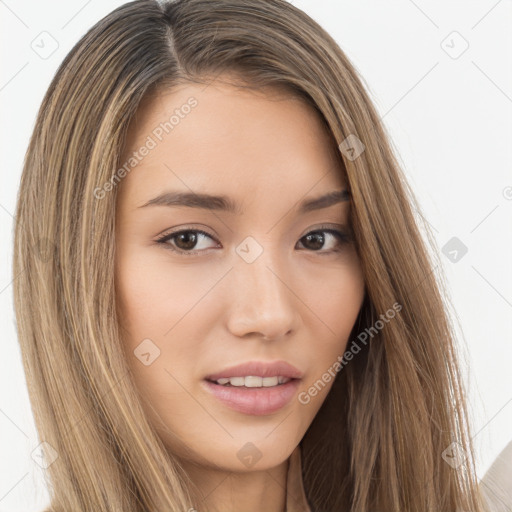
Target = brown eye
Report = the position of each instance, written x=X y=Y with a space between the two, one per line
x=315 y=240
x=184 y=241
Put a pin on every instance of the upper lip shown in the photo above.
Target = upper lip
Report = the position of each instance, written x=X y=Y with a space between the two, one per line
x=260 y=369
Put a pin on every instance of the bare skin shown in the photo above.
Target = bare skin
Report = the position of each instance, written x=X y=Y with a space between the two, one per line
x=296 y=302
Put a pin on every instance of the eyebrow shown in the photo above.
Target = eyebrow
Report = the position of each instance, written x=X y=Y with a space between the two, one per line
x=224 y=203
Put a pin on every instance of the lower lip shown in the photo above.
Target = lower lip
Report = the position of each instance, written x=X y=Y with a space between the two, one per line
x=255 y=401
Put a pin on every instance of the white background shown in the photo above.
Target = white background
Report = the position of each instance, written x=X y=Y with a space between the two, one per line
x=451 y=124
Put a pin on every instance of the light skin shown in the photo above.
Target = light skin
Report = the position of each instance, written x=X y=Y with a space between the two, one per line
x=297 y=301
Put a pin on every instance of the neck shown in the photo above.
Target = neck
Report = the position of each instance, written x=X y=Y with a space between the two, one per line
x=224 y=491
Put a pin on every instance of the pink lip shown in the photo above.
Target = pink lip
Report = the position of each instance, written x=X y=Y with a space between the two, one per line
x=260 y=369
x=255 y=401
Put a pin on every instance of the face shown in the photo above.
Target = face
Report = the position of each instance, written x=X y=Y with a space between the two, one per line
x=265 y=292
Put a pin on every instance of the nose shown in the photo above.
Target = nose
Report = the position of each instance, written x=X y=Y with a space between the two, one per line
x=262 y=301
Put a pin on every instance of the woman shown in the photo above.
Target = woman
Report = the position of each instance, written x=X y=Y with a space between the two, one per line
x=230 y=306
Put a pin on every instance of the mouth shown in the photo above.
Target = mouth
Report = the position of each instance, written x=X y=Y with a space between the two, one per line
x=261 y=369
x=256 y=401
x=255 y=388
x=251 y=381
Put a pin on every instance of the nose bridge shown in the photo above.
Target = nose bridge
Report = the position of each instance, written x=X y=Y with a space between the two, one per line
x=262 y=301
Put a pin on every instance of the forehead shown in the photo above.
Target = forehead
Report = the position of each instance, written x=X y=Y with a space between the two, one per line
x=217 y=137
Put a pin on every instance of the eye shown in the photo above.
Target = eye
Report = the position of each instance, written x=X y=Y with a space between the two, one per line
x=316 y=240
x=185 y=240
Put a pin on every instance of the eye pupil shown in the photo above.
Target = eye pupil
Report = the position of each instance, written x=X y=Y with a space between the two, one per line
x=319 y=237
x=189 y=238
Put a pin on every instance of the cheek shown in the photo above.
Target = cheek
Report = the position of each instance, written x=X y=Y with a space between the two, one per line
x=154 y=294
x=154 y=299
x=336 y=306
x=342 y=300
x=334 y=294
x=151 y=301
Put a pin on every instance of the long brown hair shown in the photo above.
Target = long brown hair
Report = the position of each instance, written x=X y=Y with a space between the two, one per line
x=377 y=443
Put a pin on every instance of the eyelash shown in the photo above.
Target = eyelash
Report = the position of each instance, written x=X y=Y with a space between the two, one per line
x=343 y=239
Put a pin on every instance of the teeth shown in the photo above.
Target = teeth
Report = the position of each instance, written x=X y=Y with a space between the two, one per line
x=237 y=381
x=269 y=381
x=252 y=381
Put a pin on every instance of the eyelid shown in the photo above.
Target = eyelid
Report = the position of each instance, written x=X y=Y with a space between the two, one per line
x=327 y=226
x=168 y=234
x=341 y=226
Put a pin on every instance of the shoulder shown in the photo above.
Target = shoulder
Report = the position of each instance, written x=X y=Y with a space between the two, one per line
x=496 y=485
